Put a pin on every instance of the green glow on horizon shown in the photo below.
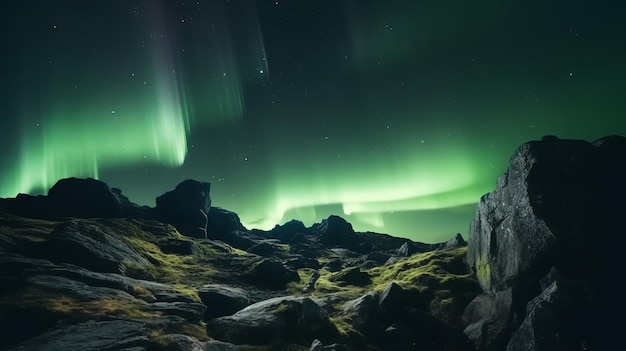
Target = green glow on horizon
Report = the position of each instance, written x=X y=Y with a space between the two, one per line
x=413 y=181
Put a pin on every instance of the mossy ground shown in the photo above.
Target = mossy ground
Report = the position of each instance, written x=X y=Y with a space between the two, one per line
x=441 y=276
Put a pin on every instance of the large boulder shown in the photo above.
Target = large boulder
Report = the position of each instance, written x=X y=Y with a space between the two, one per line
x=558 y=207
x=186 y=207
x=292 y=319
x=336 y=232
x=270 y=274
x=222 y=300
x=84 y=243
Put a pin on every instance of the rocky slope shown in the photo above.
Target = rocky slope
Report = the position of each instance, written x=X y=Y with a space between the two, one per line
x=85 y=268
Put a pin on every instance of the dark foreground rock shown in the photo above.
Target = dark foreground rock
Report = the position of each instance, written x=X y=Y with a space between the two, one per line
x=295 y=319
x=554 y=217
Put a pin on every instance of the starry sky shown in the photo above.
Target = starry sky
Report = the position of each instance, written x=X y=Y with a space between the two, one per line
x=396 y=115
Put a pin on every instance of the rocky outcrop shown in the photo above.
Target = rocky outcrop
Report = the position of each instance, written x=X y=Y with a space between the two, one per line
x=221 y=300
x=556 y=210
x=295 y=319
x=186 y=207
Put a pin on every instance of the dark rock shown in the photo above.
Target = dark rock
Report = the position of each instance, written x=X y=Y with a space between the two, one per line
x=265 y=249
x=222 y=300
x=351 y=276
x=90 y=336
x=192 y=312
x=334 y=265
x=310 y=285
x=223 y=223
x=554 y=195
x=85 y=198
x=418 y=330
x=179 y=342
x=270 y=274
x=85 y=243
x=406 y=250
x=393 y=297
x=365 y=313
x=179 y=247
x=549 y=323
x=377 y=257
x=336 y=232
x=288 y=231
x=299 y=262
x=186 y=207
x=294 y=319
x=490 y=319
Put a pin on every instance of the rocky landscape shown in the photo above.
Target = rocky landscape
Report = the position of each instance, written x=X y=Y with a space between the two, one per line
x=84 y=268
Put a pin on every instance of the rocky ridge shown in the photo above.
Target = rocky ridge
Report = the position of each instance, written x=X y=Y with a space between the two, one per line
x=85 y=268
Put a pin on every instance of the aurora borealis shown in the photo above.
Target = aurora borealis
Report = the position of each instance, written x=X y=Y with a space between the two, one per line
x=396 y=115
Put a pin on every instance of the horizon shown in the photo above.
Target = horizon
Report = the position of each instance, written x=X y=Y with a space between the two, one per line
x=397 y=116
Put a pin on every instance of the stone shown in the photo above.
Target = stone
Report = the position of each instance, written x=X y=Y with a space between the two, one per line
x=336 y=232
x=290 y=318
x=90 y=336
x=393 y=298
x=490 y=319
x=186 y=207
x=84 y=243
x=270 y=273
x=222 y=300
x=351 y=276
x=365 y=313
x=179 y=247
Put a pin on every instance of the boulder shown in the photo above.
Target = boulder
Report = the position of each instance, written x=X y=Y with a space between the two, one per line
x=287 y=231
x=351 y=276
x=554 y=197
x=490 y=319
x=393 y=298
x=222 y=300
x=84 y=243
x=271 y=274
x=179 y=247
x=336 y=232
x=292 y=319
x=365 y=314
x=91 y=336
x=186 y=207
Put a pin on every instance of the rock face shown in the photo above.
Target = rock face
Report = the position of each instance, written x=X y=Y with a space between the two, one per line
x=186 y=207
x=557 y=210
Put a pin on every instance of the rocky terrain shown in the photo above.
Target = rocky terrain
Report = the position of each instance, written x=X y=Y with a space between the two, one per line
x=84 y=268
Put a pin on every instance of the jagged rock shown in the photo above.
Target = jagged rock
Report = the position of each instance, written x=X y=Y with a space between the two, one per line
x=549 y=323
x=554 y=195
x=84 y=243
x=287 y=232
x=365 y=313
x=186 y=207
x=295 y=319
x=271 y=274
x=490 y=319
x=222 y=300
x=351 y=276
x=406 y=250
x=393 y=297
x=456 y=241
x=90 y=336
x=336 y=232
x=223 y=223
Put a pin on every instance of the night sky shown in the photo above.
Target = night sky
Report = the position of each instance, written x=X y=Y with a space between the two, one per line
x=396 y=115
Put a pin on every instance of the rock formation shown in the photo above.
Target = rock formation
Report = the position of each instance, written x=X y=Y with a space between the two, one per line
x=542 y=246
